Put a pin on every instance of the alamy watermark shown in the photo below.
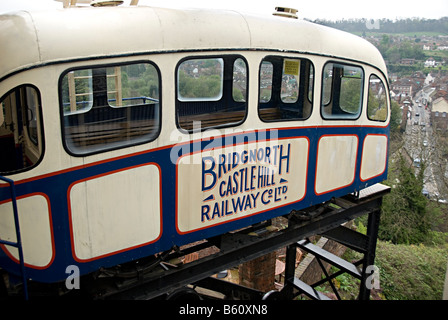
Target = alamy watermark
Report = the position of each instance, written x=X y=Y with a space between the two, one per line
x=215 y=140
x=72 y=281
x=372 y=24
x=373 y=280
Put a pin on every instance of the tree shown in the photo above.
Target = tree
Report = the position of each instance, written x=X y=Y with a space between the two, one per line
x=395 y=117
x=350 y=96
x=406 y=218
x=384 y=44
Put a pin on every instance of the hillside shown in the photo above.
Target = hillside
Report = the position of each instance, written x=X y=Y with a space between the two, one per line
x=413 y=26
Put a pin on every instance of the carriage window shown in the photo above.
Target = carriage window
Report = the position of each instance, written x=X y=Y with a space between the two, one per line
x=377 y=103
x=286 y=87
x=211 y=92
x=110 y=107
x=342 y=91
x=21 y=140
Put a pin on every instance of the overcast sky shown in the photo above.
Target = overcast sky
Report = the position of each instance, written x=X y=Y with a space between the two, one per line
x=314 y=9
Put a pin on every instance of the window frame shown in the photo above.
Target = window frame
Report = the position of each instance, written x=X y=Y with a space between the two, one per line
x=31 y=144
x=112 y=147
x=306 y=93
x=385 y=96
x=342 y=116
x=226 y=59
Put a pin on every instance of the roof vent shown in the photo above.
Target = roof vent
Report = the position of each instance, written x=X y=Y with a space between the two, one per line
x=286 y=12
x=106 y=3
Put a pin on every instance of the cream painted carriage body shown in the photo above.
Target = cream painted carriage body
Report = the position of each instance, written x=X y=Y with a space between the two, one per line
x=106 y=179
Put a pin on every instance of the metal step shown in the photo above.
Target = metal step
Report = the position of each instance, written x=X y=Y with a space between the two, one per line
x=330 y=258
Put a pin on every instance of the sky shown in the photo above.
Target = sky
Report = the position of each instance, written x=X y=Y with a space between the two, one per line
x=315 y=9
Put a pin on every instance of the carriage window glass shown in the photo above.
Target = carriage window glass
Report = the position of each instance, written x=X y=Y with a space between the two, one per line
x=342 y=91
x=290 y=81
x=77 y=92
x=266 y=73
x=239 y=91
x=286 y=89
x=32 y=104
x=211 y=92
x=109 y=107
x=200 y=79
x=377 y=102
x=21 y=137
x=311 y=84
x=131 y=85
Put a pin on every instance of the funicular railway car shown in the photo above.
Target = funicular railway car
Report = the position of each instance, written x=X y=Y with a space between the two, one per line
x=127 y=131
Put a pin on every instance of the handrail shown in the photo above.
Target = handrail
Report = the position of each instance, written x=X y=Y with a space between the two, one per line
x=17 y=244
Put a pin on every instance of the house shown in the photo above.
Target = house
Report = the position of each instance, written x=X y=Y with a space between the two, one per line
x=430 y=63
x=418 y=78
x=439 y=114
x=403 y=87
x=407 y=61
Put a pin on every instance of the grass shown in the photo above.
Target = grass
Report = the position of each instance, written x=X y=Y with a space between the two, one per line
x=411 y=272
x=407 y=272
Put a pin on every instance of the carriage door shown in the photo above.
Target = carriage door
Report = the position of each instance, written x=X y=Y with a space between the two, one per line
x=20 y=135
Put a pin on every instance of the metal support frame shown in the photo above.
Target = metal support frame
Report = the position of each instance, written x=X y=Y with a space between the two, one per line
x=364 y=244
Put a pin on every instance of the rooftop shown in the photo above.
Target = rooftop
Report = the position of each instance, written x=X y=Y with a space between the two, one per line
x=440 y=105
x=43 y=37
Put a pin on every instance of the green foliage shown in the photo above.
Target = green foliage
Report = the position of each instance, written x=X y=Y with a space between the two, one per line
x=207 y=86
x=376 y=104
x=350 y=98
x=361 y=228
x=406 y=49
x=395 y=116
x=136 y=80
x=414 y=272
x=406 y=217
x=139 y=80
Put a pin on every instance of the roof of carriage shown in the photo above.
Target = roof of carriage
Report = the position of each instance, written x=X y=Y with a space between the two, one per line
x=29 y=39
